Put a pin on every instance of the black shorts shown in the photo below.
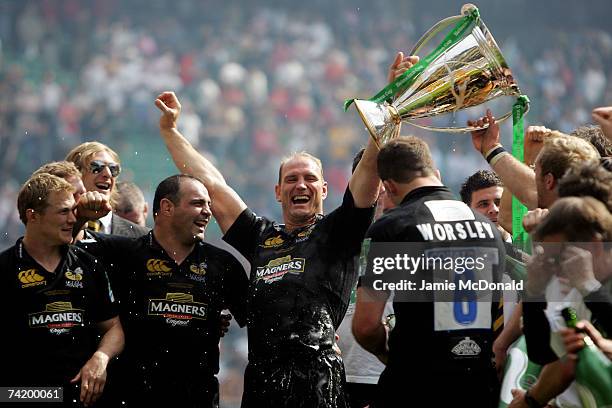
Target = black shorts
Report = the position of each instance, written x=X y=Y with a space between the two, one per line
x=316 y=381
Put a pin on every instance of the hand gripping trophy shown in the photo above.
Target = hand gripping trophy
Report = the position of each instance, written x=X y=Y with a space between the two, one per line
x=465 y=70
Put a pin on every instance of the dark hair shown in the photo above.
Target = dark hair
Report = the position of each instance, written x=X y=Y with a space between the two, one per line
x=404 y=159
x=357 y=159
x=477 y=181
x=588 y=180
x=170 y=188
x=594 y=135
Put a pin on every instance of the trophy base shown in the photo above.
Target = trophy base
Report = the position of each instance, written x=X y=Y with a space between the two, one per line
x=381 y=120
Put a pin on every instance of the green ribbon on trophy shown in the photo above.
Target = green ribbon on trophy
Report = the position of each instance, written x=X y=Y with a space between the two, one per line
x=520 y=238
x=465 y=70
x=407 y=78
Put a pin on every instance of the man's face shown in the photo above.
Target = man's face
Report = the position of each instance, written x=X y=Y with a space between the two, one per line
x=97 y=175
x=547 y=193
x=54 y=224
x=79 y=188
x=301 y=191
x=192 y=213
x=486 y=201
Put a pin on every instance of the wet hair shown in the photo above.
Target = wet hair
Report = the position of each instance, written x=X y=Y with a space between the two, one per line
x=478 y=181
x=35 y=192
x=170 y=188
x=579 y=219
x=404 y=159
x=594 y=135
x=61 y=169
x=292 y=156
x=588 y=180
x=562 y=152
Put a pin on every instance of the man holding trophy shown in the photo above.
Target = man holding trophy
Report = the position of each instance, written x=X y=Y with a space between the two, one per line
x=300 y=279
x=434 y=342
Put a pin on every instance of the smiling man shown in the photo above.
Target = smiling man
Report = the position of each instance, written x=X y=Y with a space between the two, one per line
x=482 y=191
x=54 y=295
x=300 y=282
x=172 y=287
x=100 y=166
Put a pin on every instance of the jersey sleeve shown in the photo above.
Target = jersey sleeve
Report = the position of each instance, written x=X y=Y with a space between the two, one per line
x=244 y=232
x=235 y=289
x=348 y=225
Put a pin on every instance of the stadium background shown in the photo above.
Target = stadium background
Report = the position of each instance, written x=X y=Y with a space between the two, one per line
x=257 y=80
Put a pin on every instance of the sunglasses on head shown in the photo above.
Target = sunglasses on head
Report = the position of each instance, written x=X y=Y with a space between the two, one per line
x=96 y=166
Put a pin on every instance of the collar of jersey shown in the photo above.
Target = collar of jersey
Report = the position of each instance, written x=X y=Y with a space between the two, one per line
x=281 y=227
x=422 y=192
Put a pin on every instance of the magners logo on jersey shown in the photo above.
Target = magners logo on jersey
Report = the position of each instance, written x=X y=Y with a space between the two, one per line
x=57 y=315
x=277 y=268
x=177 y=307
x=30 y=277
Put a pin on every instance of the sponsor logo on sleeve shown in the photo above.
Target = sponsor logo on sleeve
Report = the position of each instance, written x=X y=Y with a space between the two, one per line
x=30 y=277
x=278 y=267
x=58 y=317
x=178 y=309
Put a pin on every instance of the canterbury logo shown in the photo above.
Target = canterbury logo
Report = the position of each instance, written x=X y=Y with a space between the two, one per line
x=29 y=276
x=157 y=265
x=273 y=242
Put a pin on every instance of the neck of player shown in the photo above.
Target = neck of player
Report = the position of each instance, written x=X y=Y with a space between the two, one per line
x=47 y=255
x=175 y=248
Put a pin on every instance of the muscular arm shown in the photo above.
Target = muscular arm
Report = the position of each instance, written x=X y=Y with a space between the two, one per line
x=367 y=322
x=517 y=177
x=364 y=183
x=226 y=204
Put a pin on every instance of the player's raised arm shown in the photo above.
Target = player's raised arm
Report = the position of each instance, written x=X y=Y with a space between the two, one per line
x=226 y=204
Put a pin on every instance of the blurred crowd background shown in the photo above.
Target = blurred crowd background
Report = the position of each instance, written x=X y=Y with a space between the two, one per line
x=258 y=80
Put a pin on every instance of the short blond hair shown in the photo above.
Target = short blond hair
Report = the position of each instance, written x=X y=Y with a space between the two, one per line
x=562 y=152
x=61 y=169
x=295 y=155
x=81 y=154
x=34 y=193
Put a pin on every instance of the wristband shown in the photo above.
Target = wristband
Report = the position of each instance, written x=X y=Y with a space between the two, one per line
x=494 y=153
x=488 y=152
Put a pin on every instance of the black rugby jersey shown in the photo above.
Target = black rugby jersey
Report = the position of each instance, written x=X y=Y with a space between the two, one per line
x=438 y=337
x=170 y=312
x=49 y=317
x=300 y=282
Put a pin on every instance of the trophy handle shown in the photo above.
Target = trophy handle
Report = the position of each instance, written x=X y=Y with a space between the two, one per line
x=461 y=129
x=433 y=31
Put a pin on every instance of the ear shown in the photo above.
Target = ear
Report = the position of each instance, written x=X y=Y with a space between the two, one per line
x=166 y=207
x=324 y=191
x=31 y=215
x=145 y=210
x=277 y=192
x=549 y=181
x=390 y=188
x=438 y=175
